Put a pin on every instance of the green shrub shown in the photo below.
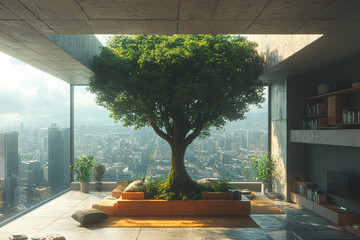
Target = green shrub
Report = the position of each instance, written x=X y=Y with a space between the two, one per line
x=151 y=187
x=264 y=167
x=83 y=168
x=99 y=171
x=223 y=186
x=156 y=188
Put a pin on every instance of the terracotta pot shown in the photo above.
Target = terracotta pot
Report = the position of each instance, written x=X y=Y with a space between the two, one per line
x=84 y=187
x=98 y=186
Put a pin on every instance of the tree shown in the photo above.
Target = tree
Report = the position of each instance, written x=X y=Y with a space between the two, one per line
x=180 y=85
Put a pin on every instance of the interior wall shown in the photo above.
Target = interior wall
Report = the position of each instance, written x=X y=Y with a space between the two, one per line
x=340 y=159
x=314 y=160
x=298 y=160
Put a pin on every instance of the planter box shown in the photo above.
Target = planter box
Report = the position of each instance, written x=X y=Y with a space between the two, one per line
x=147 y=207
x=108 y=206
x=222 y=207
x=215 y=195
x=132 y=195
x=117 y=192
x=183 y=208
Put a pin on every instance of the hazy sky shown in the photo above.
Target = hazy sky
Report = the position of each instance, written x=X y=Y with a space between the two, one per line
x=34 y=97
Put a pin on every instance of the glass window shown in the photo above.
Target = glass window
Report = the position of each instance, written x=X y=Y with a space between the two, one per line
x=128 y=153
x=34 y=136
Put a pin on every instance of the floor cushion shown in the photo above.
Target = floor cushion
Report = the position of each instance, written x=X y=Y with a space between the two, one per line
x=89 y=216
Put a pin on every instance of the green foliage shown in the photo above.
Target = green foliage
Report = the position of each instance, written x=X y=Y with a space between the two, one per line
x=264 y=167
x=157 y=188
x=151 y=187
x=180 y=85
x=99 y=171
x=167 y=192
x=223 y=186
x=83 y=168
x=157 y=79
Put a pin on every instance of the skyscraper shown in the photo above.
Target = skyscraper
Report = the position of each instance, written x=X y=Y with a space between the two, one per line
x=9 y=166
x=59 y=157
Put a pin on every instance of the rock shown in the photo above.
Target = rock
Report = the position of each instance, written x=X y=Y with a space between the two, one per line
x=132 y=186
x=209 y=181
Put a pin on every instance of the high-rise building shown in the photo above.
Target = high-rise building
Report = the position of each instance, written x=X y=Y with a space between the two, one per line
x=34 y=173
x=59 y=157
x=9 y=166
x=66 y=151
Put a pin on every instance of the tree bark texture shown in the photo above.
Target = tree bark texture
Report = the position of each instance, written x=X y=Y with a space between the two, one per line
x=178 y=178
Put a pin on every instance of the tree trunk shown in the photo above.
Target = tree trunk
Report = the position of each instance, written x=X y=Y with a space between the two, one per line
x=179 y=180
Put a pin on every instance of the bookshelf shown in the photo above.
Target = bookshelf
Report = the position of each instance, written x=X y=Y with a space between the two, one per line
x=328 y=211
x=330 y=110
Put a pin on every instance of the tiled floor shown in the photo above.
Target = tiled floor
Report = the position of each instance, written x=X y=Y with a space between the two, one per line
x=54 y=217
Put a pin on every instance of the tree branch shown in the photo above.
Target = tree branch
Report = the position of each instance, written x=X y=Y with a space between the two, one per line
x=161 y=134
x=189 y=139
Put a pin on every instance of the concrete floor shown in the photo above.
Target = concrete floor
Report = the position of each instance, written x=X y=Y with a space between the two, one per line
x=54 y=217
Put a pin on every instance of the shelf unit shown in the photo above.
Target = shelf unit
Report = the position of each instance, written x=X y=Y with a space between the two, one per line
x=328 y=211
x=333 y=103
x=306 y=185
x=353 y=231
x=337 y=137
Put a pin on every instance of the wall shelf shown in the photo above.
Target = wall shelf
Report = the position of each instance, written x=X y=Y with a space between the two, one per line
x=328 y=211
x=331 y=109
x=343 y=137
x=341 y=92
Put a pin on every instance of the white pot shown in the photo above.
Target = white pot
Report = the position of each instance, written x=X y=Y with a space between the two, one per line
x=266 y=187
x=84 y=187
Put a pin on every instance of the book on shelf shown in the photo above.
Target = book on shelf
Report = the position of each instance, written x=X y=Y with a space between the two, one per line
x=321 y=198
x=313 y=124
x=311 y=192
x=318 y=109
x=302 y=189
x=350 y=116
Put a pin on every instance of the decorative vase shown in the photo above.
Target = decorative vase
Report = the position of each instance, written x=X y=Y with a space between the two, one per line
x=84 y=187
x=98 y=186
x=323 y=89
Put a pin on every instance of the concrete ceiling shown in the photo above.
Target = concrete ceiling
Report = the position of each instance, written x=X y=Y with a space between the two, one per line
x=25 y=26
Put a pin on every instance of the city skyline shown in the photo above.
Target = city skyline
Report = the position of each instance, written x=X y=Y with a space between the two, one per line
x=37 y=98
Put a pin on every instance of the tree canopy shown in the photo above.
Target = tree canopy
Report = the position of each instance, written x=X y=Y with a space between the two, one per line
x=204 y=80
x=180 y=85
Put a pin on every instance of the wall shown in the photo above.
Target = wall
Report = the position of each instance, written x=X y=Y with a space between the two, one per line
x=278 y=131
x=340 y=159
x=298 y=160
x=277 y=47
x=314 y=160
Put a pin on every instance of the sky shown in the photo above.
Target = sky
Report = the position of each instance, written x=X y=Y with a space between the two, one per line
x=34 y=97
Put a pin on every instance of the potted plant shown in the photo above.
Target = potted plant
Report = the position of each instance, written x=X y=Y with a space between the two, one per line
x=83 y=169
x=264 y=167
x=98 y=173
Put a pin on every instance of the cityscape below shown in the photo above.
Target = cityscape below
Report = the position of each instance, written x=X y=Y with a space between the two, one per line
x=34 y=160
